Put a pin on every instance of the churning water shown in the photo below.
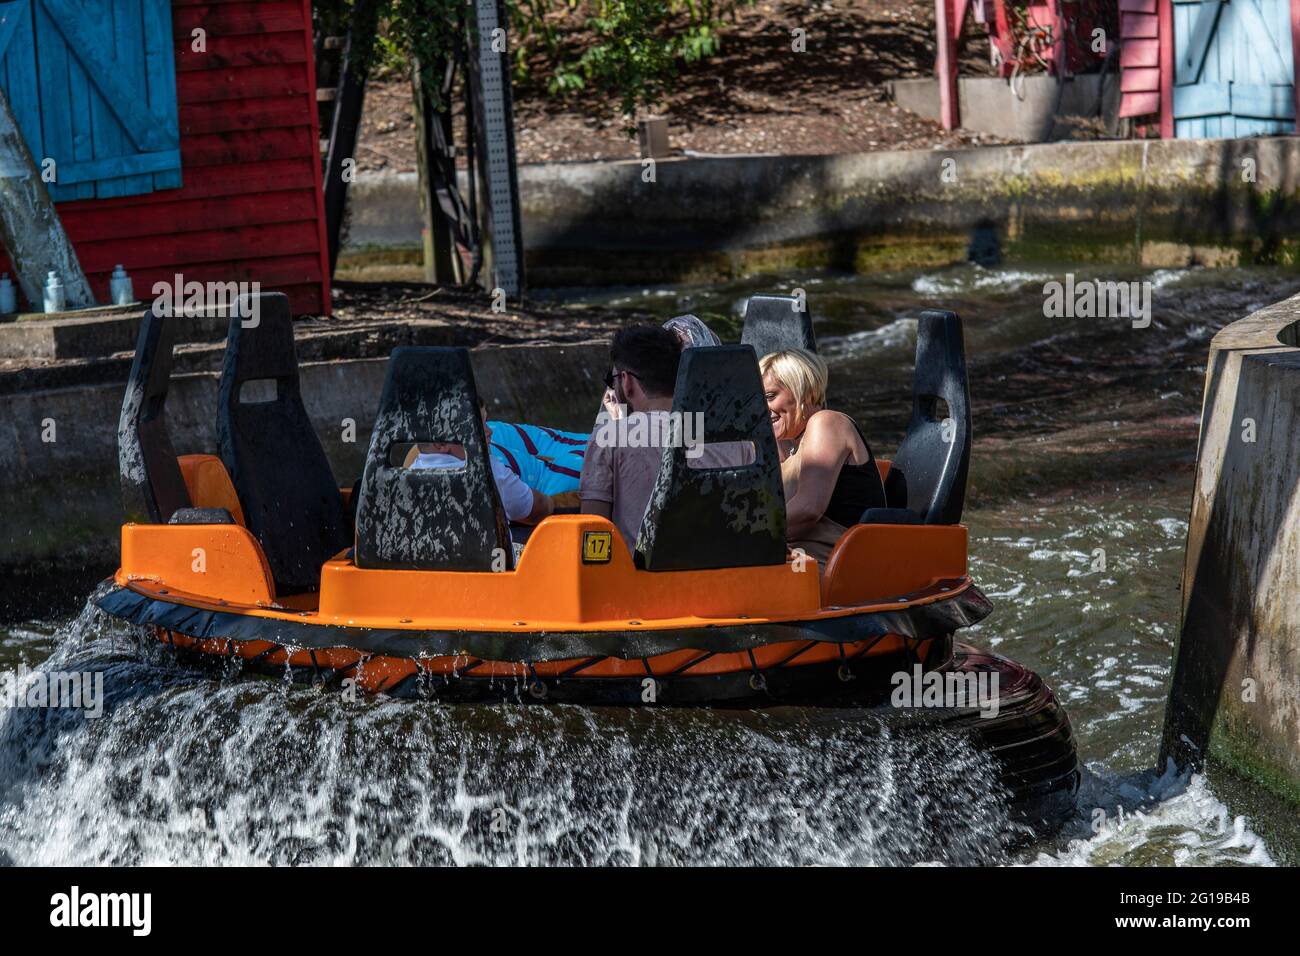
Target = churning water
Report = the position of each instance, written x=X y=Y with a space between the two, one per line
x=186 y=767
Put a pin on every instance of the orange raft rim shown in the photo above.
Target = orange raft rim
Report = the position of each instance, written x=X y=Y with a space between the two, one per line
x=607 y=622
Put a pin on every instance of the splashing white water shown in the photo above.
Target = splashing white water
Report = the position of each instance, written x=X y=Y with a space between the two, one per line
x=186 y=769
x=1169 y=820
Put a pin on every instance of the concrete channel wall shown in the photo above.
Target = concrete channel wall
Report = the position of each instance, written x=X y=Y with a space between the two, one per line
x=1235 y=695
x=1030 y=110
x=1161 y=202
x=60 y=494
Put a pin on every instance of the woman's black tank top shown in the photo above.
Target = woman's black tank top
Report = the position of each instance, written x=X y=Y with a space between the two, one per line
x=857 y=488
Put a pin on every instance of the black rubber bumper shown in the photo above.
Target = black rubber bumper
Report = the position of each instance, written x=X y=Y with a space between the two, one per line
x=918 y=622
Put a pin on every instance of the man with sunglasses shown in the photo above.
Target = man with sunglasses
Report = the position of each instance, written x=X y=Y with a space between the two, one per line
x=617 y=479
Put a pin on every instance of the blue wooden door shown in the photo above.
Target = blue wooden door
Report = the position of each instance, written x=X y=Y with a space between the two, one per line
x=1234 y=70
x=92 y=84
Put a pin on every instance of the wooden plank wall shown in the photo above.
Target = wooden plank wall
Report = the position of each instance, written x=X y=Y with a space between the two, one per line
x=250 y=207
x=1139 y=58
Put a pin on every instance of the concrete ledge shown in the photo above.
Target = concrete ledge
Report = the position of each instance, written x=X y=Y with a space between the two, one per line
x=62 y=498
x=1235 y=694
x=1162 y=202
x=1032 y=111
x=102 y=332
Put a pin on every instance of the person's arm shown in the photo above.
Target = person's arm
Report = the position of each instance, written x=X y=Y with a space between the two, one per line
x=604 y=509
x=519 y=501
x=541 y=508
x=822 y=452
x=596 y=486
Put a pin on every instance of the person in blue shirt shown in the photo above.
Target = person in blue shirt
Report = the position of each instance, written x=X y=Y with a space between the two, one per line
x=545 y=459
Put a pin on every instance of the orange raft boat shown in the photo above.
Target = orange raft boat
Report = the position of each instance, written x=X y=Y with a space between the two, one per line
x=408 y=583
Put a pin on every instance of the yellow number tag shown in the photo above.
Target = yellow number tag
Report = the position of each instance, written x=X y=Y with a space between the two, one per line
x=596 y=547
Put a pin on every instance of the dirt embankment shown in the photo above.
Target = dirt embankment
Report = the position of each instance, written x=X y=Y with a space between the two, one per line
x=756 y=96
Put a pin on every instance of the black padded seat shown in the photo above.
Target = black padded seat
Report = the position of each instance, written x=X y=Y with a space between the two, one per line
x=291 y=502
x=430 y=519
x=152 y=486
x=774 y=323
x=726 y=517
x=202 y=516
x=927 y=478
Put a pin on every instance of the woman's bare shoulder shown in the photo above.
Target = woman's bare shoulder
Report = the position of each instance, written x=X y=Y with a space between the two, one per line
x=828 y=422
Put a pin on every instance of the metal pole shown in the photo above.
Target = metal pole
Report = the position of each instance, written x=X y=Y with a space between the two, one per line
x=489 y=71
x=945 y=65
x=1165 y=9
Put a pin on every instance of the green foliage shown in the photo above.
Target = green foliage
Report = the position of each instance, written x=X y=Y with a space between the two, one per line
x=636 y=48
x=630 y=52
x=427 y=31
x=639 y=44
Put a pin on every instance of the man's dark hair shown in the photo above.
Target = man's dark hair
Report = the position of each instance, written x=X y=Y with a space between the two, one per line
x=649 y=352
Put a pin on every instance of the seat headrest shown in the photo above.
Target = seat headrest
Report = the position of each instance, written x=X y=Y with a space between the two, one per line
x=260 y=339
x=729 y=511
x=928 y=474
x=270 y=448
x=430 y=518
x=153 y=487
x=776 y=322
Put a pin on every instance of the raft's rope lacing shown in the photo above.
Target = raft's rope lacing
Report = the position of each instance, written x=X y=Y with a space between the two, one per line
x=689 y=664
x=911 y=648
x=807 y=647
x=265 y=654
x=358 y=663
x=583 y=665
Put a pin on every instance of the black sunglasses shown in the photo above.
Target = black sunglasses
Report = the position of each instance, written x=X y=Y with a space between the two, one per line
x=610 y=375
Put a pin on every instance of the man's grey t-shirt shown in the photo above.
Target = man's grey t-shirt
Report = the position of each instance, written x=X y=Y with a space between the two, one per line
x=623 y=475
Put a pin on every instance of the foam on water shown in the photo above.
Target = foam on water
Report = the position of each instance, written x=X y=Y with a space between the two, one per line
x=972 y=277
x=187 y=769
x=1145 y=819
x=898 y=334
x=183 y=768
x=1100 y=626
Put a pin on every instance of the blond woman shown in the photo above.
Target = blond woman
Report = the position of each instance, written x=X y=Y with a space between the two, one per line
x=829 y=474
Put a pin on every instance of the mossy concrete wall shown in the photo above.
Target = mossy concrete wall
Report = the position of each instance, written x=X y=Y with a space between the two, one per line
x=59 y=492
x=1235 y=695
x=1162 y=202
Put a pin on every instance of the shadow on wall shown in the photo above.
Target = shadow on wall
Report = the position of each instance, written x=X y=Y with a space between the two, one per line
x=1095 y=201
x=727 y=217
x=1250 y=199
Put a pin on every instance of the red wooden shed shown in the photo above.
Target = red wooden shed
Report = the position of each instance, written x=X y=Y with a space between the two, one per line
x=186 y=137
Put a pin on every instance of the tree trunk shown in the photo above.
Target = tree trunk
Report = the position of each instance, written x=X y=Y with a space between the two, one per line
x=30 y=227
